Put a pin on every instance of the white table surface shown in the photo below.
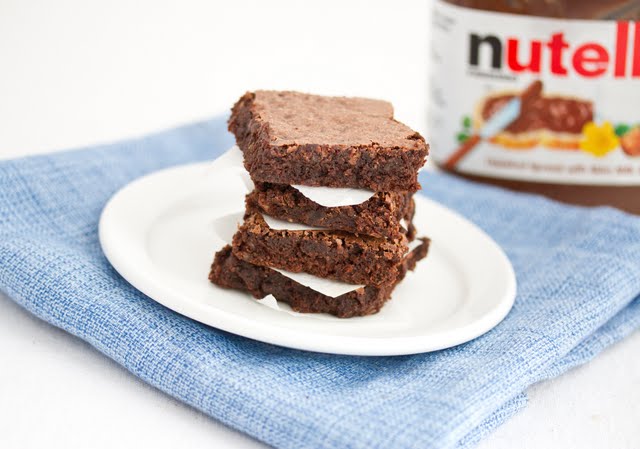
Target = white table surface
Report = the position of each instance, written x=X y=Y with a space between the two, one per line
x=82 y=72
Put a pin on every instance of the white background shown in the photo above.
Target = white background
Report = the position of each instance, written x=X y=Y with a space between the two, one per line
x=75 y=73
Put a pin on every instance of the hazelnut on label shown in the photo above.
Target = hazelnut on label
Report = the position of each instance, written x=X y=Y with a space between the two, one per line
x=630 y=142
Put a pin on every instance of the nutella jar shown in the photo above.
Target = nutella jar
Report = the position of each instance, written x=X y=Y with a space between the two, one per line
x=540 y=96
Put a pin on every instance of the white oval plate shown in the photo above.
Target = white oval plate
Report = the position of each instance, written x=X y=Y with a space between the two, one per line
x=159 y=233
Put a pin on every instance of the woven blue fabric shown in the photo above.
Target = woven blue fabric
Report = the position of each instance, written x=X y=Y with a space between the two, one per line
x=578 y=272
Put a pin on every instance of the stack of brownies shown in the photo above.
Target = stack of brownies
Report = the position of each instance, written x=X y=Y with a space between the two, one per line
x=293 y=142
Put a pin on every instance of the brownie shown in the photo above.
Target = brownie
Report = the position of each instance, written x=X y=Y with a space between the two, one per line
x=379 y=216
x=355 y=259
x=230 y=272
x=295 y=138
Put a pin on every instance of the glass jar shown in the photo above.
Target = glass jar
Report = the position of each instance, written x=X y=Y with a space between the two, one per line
x=539 y=96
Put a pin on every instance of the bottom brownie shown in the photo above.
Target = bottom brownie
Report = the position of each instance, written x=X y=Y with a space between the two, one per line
x=230 y=272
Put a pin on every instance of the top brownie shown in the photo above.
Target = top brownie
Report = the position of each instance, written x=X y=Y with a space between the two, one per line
x=295 y=138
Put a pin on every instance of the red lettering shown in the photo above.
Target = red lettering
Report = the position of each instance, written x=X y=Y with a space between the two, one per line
x=622 y=37
x=636 y=51
x=557 y=45
x=591 y=60
x=534 y=59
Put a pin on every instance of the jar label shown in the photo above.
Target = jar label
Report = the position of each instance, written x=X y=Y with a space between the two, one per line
x=535 y=99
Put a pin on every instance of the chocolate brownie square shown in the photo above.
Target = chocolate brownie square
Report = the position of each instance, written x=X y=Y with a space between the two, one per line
x=228 y=271
x=296 y=138
x=380 y=216
x=329 y=254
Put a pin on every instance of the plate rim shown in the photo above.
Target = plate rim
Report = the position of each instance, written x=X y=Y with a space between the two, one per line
x=289 y=338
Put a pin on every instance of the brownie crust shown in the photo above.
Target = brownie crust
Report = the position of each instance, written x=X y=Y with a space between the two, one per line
x=228 y=271
x=327 y=254
x=379 y=216
x=295 y=138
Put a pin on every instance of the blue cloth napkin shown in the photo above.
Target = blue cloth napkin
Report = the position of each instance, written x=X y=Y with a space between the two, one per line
x=578 y=272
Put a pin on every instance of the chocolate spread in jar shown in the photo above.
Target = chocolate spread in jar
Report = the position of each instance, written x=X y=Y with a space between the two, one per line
x=578 y=139
x=564 y=9
x=552 y=113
